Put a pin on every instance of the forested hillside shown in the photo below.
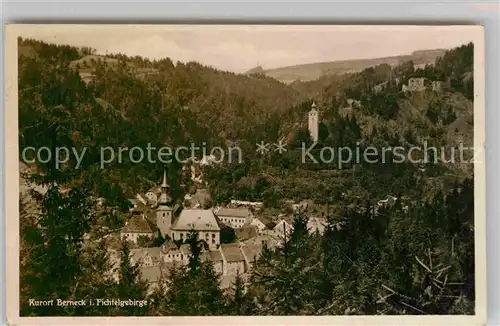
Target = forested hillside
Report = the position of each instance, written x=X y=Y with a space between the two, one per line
x=417 y=258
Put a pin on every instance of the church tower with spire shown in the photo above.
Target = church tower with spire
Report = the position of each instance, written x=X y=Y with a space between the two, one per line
x=164 y=212
x=313 y=122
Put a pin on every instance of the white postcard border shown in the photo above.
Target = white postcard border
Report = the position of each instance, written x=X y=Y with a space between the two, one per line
x=12 y=213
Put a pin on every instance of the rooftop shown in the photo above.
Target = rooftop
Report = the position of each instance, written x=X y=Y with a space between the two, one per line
x=185 y=249
x=151 y=274
x=141 y=253
x=232 y=252
x=197 y=219
x=215 y=255
x=234 y=212
x=316 y=223
x=252 y=251
x=137 y=224
x=167 y=246
x=246 y=232
x=212 y=255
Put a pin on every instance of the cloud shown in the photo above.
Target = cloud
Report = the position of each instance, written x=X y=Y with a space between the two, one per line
x=239 y=48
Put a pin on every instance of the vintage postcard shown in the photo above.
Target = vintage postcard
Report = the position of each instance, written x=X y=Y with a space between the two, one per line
x=245 y=174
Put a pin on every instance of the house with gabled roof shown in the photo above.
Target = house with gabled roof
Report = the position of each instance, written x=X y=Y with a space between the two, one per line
x=201 y=220
x=135 y=228
x=170 y=253
x=251 y=253
x=153 y=275
x=234 y=217
x=216 y=258
x=246 y=232
x=259 y=223
x=167 y=246
x=267 y=239
x=285 y=224
x=283 y=228
x=234 y=261
x=145 y=257
x=316 y=224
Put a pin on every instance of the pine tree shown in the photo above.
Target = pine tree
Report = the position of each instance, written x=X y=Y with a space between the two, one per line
x=286 y=281
x=53 y=264
x=194 y=290
x=158 y=305
x=97 y=279
x=240 y=302
x=130 y=285
x=195 y=246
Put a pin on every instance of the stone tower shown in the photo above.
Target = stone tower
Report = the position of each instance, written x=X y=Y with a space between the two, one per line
x=314 y=122
x=164 y=211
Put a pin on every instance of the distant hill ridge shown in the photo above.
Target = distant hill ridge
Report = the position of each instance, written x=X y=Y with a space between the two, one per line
x=312 y=71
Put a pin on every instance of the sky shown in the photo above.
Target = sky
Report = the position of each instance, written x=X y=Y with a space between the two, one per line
x=239 y=48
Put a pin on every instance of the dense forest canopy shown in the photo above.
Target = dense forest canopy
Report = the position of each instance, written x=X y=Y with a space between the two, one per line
x=175 y=105
x=135 y=101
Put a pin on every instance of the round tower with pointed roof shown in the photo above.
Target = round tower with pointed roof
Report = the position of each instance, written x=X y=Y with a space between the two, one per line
x=313 y=122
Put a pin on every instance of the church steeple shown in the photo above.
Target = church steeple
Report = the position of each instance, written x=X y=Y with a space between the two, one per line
x=164 y=212
x=164 y=190
x=164 y=185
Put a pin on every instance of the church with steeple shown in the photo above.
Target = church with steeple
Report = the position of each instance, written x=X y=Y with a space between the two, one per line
x=164 y=213
x=152 y=215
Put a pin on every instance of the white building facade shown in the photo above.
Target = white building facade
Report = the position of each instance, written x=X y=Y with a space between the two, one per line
x=313 y=122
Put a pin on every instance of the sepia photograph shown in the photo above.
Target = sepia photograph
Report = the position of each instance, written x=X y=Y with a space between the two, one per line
x=246 y=170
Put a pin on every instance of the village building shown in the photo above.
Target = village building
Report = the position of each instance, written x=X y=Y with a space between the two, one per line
x=153 y=274
x=258 y=224
x=114 y=258
x=437 y=85
x=233 y=259
x=268 y=239
x=145 y=257
x=251 y=253
x=246 y=232
x=313 y=122
x=254 y=204
x=235 y=217
x=201 y=220
x=176 y=255
x=414 y=85
x=167 y=245
x=136 y=228
x=141 y=200
x=151 y=197
x=316 y=224
x=215 y=257
x=164 y=213
x=284 y=226
x=161 y=218
x=155 y=263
